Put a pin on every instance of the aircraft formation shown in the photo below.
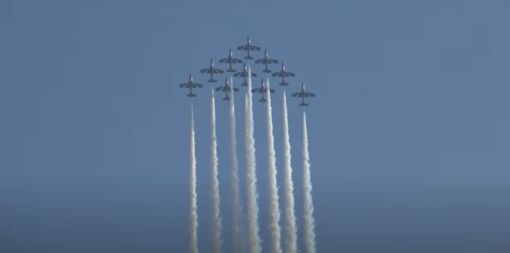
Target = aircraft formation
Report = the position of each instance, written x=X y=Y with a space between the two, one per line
x=230 y=60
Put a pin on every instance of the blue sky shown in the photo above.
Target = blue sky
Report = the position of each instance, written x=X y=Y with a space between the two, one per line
x=409 y=132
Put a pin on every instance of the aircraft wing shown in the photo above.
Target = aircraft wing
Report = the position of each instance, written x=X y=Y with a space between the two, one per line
x=222 y=88
x=254 y=48
x=272 y=90
x=244 y=74
x=234 y=60
x=223 y=60
x=289 y=74
x=182 y=85
x=195 y=85
x=257 y=90
x=298 y=94
x=208 y=70
x=279 y=74
x=235 y=89
x=266 y=60
x=309 y=94
x=243 y=47
x=216 y=71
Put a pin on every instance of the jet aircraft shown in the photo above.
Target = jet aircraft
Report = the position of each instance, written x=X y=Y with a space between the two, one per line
x=262 y=90
x=244 y=74
x=230 y=60
x=303 y=94
x=248 y=47
x=226 y=89
x=212 y=70
x=283 y=74
x=190 y=84
x=266 y=60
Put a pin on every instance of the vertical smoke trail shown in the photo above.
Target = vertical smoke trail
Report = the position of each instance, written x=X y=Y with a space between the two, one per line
x=215 y=182
x=251 y=177
x=273 y=188
x=308 y=205
x=236 y=203
x=290 y=218
x=193 y=185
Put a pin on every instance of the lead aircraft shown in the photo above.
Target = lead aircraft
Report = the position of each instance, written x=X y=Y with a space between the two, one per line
x=266 y=60
x=230 y=60
x=248 y=47
x=303 y=94
x=190 y=84
x=212 y=70
x=262 y=90
x=226 y=88
x=244 y=74
x=282 y=73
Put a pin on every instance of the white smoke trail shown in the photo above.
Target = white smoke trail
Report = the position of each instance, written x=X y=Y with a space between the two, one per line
x=273 y=188
x=236 y=202
x=290 y=218
x=193 y=185
x=308 y=205
x=215 y=182
x=251 y=177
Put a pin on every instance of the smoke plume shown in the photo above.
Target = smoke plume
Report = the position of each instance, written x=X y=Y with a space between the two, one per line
x=215 y=182
x=253 y=226
x=273 y=188
x=238 y=228
x=290 y=218
x=309 y=225
x=193 y=184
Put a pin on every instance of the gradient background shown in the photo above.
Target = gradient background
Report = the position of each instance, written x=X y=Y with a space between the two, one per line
x=409 y=132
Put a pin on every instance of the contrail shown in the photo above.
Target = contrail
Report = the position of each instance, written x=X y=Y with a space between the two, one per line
x=273 y=188
x=308 y=205
x=290 y=218
x=193 y=185
x=236 y=202
x=251 y=177
x=215 y=182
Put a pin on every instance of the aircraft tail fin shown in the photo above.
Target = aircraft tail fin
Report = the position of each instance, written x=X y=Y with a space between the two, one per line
x=303 y=104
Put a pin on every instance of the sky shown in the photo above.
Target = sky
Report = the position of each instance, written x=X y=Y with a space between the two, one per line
x=409 y=132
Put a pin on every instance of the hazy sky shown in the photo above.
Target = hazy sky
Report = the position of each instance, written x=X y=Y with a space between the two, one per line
x=409 y=132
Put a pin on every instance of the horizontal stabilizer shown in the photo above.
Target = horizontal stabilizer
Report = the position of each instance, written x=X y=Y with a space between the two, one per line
x=262 y=100
x=244 y=84
x=191 y=95
x=303 y=104
x=231 y=70
x=266 y=71
x=226 y=98
x=284 y=84
x=212 y=81
x=248 y=58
